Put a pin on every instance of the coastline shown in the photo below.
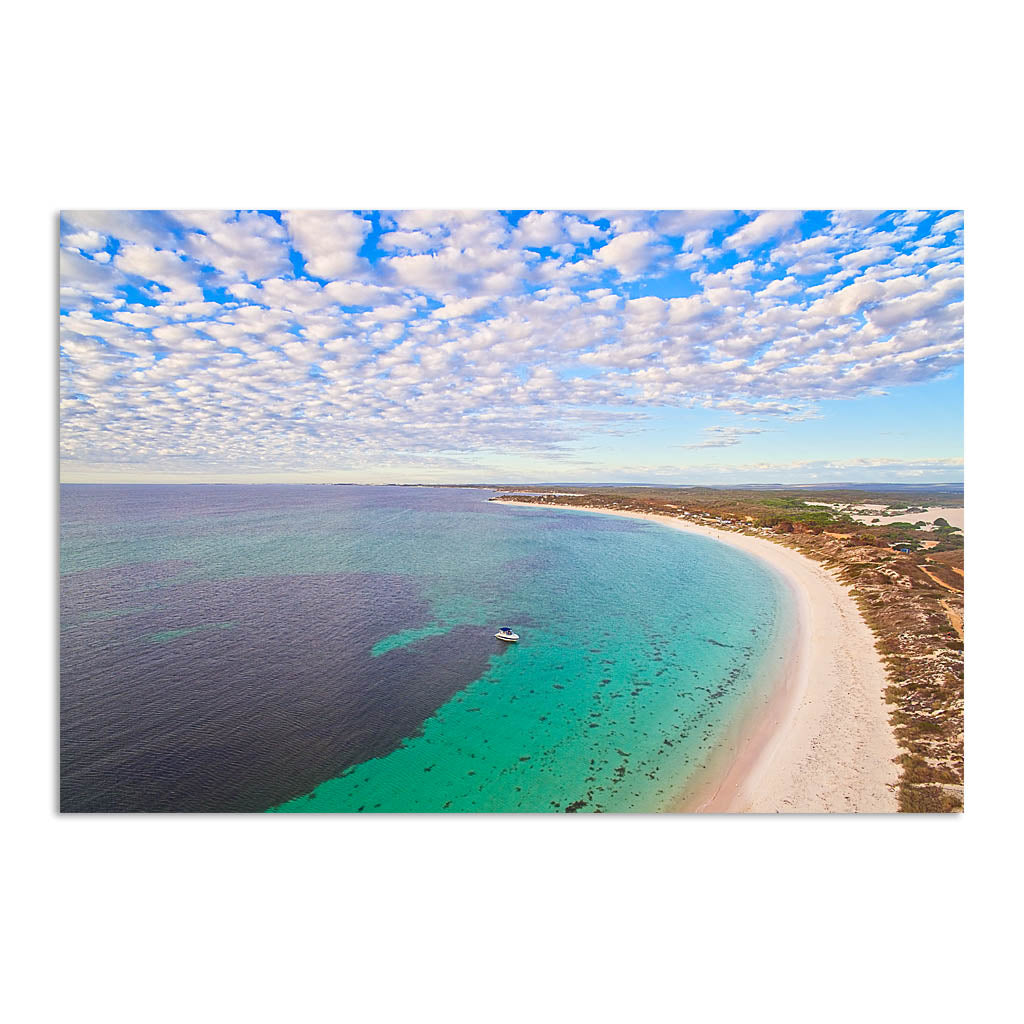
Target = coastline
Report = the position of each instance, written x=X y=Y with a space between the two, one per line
x=822 y=742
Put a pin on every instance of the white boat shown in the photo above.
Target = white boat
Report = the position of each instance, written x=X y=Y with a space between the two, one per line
x=507 y=635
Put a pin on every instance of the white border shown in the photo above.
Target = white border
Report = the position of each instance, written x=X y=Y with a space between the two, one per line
x=800 y=105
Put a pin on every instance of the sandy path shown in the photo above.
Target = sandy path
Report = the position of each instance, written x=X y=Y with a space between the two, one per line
x=824 y=742
x=956 y=620
x=932 y=576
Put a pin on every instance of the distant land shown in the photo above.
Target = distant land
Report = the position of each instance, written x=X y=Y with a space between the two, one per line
x=878 y=488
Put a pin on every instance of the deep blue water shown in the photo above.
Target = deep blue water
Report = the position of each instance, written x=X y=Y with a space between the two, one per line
x=331 y=648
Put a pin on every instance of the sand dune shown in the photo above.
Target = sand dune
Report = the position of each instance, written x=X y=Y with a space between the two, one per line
x=953 y=516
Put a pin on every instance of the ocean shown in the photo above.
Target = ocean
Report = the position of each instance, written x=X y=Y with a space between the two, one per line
x=331 y=648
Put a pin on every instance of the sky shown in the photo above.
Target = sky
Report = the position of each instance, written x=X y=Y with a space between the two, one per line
x=670 y=347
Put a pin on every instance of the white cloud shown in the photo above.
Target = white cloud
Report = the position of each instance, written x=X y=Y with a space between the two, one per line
x=724 y=436
x=791 y=252
x=848 y=300
x=85 y=278
x=765 y=226
x=632 y=253
x=90 y=241
x=250 y=248
x=329 y=242
x=455 y=308
x=134 y=227
x=621 y=221
x=356 y=293
x=686 y=222
x=141 y=320
x=846 y=221
x=165 y=268
x=540 y=229
x=947 y=224
x=780 y=288
x=582 y=231
x=915 y=306
x=412 y=241
x=864 y=257
x=910 y=217
x=289 y=371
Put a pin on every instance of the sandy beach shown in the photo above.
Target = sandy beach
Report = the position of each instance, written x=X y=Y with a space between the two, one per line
x=823 y=740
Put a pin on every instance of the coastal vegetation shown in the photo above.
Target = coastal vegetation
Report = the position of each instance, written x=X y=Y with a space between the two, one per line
x=907 y=578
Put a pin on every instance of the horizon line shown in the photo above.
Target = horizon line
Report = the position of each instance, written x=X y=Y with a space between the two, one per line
x=751 y=485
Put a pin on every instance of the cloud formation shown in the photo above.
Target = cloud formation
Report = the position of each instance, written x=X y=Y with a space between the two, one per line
x=255 y=341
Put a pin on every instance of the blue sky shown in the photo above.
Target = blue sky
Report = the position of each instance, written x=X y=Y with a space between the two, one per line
x=422 y=346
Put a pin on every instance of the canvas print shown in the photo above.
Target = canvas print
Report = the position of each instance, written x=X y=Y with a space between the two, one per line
x=558 y=511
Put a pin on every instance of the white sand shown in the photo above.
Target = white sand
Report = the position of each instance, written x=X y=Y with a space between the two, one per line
x=823 y=742
x=953 y=516
x=868 y=513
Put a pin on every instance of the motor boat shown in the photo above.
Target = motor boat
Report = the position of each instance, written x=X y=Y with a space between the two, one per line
x=507 y=635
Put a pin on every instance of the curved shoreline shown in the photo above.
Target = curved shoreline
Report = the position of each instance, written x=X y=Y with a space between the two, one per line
x=823 y=740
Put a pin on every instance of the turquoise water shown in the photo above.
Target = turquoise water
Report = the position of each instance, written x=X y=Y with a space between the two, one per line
x=314 y=648
x=641 y=647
